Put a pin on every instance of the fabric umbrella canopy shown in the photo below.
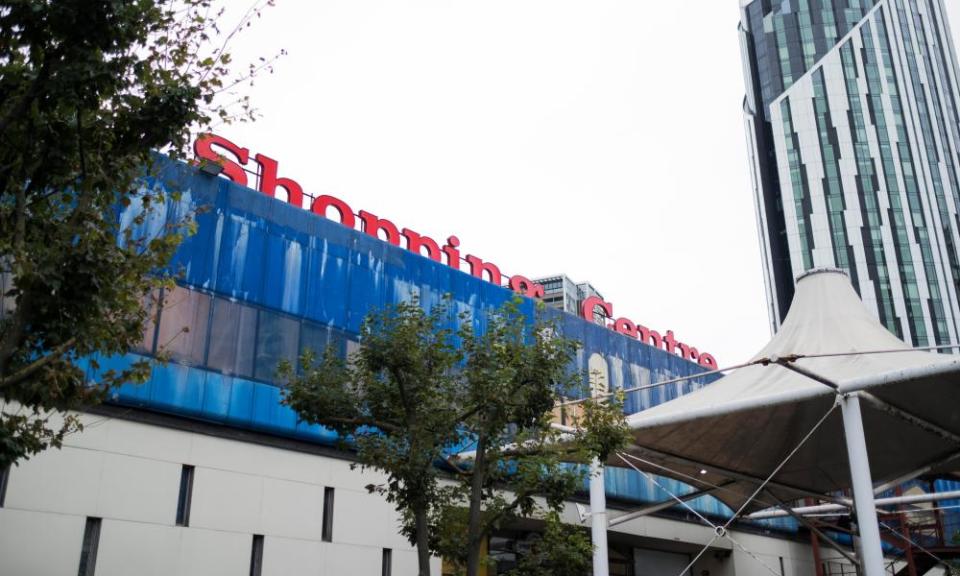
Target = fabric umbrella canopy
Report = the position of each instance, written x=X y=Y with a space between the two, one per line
x=778 y=418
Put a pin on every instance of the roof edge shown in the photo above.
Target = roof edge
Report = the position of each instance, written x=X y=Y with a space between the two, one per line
x=820 y=270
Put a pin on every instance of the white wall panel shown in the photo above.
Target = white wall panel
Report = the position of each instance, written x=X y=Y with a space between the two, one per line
x=226 y=501
x=289 y=557
x=166 y=444
x=405 y=562
x=255 y=459
x=358 y=516
x=39 y=544
x=137 y=548
x=338 y=473
x=292 y=509
x=214 y=553
x=65 y=481
x=343 y=559
x=138 y=489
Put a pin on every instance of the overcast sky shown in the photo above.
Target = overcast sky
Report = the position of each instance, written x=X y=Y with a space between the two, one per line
x=600 y=139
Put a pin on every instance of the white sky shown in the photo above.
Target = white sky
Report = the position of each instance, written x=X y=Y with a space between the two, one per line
x=599 y=139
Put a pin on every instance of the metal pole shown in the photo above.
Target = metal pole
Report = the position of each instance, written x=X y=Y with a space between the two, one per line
x=815 y=545
x=668 y=503
x=880 y=502
x=814 y=531
x=598 y=520
x=905 y=532
x=872 y=557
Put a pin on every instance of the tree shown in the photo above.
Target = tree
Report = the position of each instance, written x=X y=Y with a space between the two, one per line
x=563 y=550
x=89 y=90
x=418 y=393
x=514 y=376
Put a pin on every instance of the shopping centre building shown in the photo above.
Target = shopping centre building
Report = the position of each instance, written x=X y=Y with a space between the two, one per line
x=201 y=470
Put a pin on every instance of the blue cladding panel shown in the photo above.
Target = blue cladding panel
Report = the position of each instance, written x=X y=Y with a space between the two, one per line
x=951 y=510
x=327 y=282
x=217 y=392
x=324 y=278
x=177 y=387
x=240 y=409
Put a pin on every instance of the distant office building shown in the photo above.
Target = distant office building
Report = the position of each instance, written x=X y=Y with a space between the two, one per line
x=562 y=293
x=851 y=116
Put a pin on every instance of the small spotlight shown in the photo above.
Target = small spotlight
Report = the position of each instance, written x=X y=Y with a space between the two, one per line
x=211 y=168
x=702 y=472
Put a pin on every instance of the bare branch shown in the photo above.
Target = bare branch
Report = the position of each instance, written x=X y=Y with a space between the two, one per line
x=32 y=368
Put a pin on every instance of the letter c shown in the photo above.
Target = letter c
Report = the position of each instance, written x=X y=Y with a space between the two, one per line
x=586 y=310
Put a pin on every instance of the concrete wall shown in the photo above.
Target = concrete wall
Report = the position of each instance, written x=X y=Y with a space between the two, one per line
x=128 y=474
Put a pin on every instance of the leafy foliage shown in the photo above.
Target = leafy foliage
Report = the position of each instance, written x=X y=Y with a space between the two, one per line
x=396 y=400
x=89 y=89
x=419 y=392
x=563 y=550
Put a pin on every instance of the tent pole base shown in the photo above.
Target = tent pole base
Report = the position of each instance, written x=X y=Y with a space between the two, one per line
x=871 y=559
x=598 y=520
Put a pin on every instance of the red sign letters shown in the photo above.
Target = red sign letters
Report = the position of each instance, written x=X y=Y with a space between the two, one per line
x=233 y=158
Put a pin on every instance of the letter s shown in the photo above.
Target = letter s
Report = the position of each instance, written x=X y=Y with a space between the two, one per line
x=203 y=148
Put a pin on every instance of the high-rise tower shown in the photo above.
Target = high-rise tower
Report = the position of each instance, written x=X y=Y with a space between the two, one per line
x=852 y=124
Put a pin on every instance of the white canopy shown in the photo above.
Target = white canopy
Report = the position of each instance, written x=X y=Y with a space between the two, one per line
x=736 y=431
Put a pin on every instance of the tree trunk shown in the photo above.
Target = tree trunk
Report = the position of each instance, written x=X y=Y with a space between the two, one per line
x=474 y=535
x=423 y=542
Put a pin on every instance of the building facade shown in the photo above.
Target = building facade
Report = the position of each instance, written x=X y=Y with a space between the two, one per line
x=562 y=293
x=202 y=470
x=852 y=125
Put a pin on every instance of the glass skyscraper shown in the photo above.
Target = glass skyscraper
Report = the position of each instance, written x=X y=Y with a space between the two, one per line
x=851 y=117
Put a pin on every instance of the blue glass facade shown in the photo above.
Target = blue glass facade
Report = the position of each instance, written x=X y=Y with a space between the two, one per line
x=261 y=280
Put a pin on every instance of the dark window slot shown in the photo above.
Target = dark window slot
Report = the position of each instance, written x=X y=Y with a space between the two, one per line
x=4 y=480
x=386 y=567
x=327 y=533
x=88 y=551
x=185 y=495
x=256 y=555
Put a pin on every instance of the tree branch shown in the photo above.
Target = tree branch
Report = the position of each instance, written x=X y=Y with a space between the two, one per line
x=80 y=148
x=403 y=394
x=385 y=426
x=554 y=449
x=458 y=469
x=36 y=365
x=11 y=338
x=493 y=520
x=20 y=107
x=468 y=413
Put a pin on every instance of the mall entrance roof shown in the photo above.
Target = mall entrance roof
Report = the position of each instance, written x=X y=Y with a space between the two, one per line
x=773 y=431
